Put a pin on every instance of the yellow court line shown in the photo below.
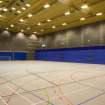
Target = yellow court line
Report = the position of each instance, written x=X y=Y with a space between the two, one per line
x=65 y=97
x=48 y=97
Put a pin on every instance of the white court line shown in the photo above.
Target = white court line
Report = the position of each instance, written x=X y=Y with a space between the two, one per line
x=75 y=91
x=44 y=101
x=25 y=98
x=53 y=98
x=3 y=101
x=21 y=95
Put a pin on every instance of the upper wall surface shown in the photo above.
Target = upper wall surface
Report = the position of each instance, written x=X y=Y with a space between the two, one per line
x=90 y=35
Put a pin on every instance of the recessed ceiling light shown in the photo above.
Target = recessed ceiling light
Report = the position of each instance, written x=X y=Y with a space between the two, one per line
x=22 y=30
x=23 y=8
x=21 y=20
x=53 y=26
x=1 y=1
x=1 y=9
x=28 y=28
x=42 y=30
x=13 y=8
x=39 y=24
x=49 y=20
x=46 y=5
x=64 y=24
x=19 y=12
x=11 y=25
x=1 y=16
x=6 y=28
x=85 y=6
x=28 y=5
x=67 y=13
x=35 y=32
x=82 y=18
x=30 y=15
x=99 y=14
x=5 y=9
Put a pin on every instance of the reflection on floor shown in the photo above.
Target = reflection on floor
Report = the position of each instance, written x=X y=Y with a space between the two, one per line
x=51 y=83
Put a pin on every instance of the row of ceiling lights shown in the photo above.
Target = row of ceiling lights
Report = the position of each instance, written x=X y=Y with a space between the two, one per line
x=63 y=24
x=30 y=15
x=85 y=6
x=13 y=8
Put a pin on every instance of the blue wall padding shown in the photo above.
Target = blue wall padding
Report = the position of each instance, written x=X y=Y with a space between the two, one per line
x=20 y=56
x=5 y=55
x=95 y=55
x=13 y=55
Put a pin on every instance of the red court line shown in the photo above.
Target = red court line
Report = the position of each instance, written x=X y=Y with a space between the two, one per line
x=65 y=97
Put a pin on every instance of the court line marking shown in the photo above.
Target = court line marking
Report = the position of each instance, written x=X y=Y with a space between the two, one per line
x=45 y=91
x=20 y=95
x=64 y=96
x=84 y=84
x=7 y=81
x=16 y=93
x=92 y=98
x=24 y=92
x=49 y=82
x=3 y=101
x=61 y=84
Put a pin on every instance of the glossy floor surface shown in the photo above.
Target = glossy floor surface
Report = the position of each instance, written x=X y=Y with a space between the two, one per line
x=51 y=83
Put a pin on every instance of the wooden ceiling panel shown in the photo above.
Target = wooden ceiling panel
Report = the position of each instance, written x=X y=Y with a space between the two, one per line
x=11 y=11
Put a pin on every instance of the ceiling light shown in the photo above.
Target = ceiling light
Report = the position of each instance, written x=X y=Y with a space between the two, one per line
x=7 y=28
x=46 y=6
x=64 y=24
x=28 y=5
x=35 y=32
x=30 y=15
x=42 y=30
x=19 y=12
x=82 y=18
x=85 y=6
x=99 y=14
x=11 y=25
x=23 y=8
x=67 y=13
x=53 y=27
x=13 y=8
x=22 y=30
x=1 y=16
x=5 y=9
x=49 y=20
x=1 y=9
x=1 y=1
x=28 y=28
x=39 y=24
x=21 y=20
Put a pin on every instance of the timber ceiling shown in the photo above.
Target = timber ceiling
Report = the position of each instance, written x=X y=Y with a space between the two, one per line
x=47 y=16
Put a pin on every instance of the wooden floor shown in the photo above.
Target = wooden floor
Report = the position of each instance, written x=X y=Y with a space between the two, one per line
x=51 y=83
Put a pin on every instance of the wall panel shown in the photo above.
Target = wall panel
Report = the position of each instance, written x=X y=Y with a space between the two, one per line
x=95 y=55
